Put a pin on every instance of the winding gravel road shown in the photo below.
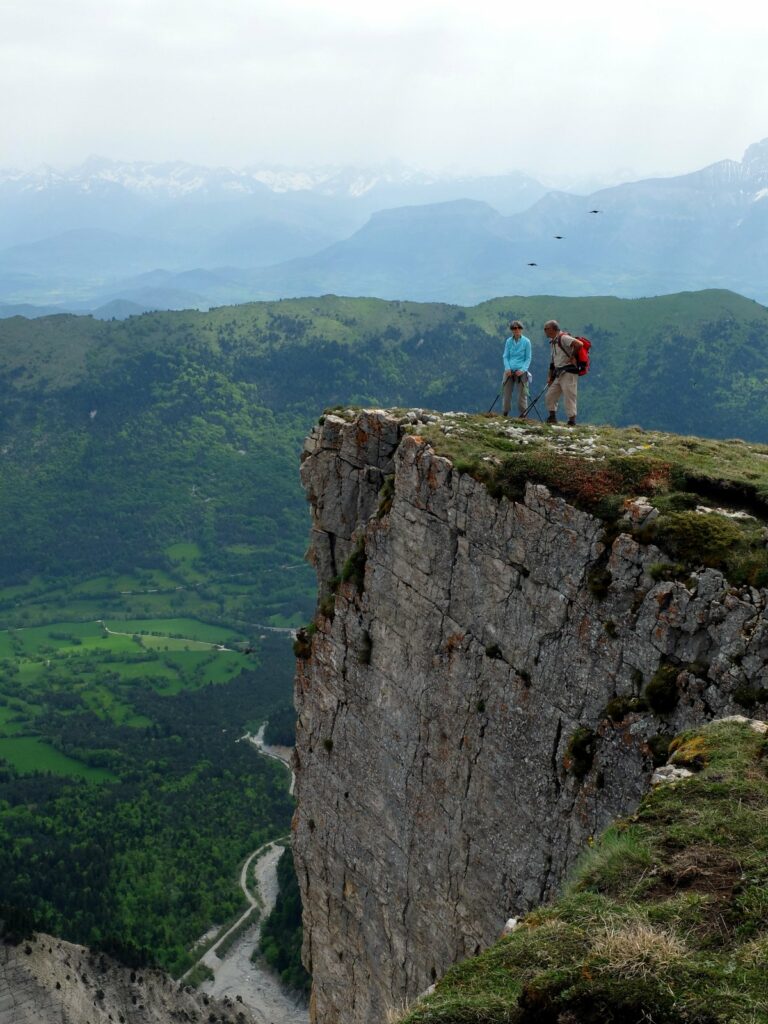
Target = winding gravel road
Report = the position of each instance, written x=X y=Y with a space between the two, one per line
x=254 y=984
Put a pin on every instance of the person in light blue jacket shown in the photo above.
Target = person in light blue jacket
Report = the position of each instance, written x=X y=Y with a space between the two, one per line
x=517 y=359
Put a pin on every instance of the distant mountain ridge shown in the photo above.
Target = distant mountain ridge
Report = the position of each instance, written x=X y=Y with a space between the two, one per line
x=74 y=239
x=660 y=235
x=178 y=179
x=80 y=240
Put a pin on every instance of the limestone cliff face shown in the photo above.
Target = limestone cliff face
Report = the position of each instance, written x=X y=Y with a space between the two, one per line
x=44 y=980
x=438 y=789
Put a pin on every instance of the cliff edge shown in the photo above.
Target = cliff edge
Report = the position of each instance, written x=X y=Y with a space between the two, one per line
x=502 y=650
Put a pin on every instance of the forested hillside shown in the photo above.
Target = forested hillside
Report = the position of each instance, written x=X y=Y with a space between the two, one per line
x=143 y=863
x=121 y=439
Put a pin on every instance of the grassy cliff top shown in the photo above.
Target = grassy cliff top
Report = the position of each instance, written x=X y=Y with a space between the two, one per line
x=465 y=438
x=665 y=919
x=709 y=498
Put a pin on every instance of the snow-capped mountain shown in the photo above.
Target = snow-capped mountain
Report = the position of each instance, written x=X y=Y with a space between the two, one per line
x=175 y=234
x=179 y=180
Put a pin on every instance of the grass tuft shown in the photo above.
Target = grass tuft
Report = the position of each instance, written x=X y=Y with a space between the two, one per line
x=354 y=567
x=618 y=708
x=637 y=949
x=580 y=752
x=386 y=496
x=689 y=752
x=607 y=867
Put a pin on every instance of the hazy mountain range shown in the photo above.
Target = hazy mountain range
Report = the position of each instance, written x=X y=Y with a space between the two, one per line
x=120 y=238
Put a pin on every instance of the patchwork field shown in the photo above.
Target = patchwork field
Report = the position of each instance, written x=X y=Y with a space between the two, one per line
x=28 y=754
x=100 y=667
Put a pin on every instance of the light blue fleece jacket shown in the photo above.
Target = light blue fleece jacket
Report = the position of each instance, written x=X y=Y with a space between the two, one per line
x=517 y=354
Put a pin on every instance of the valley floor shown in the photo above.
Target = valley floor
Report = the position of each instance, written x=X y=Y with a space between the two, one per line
x=255 y=984
x=235 y=975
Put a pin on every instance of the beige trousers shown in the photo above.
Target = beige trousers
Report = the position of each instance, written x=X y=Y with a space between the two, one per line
x=567 y=385
x=507 y=387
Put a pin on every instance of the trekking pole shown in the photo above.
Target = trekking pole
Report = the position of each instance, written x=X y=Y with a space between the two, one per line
x=532 y=405
x=494 y=403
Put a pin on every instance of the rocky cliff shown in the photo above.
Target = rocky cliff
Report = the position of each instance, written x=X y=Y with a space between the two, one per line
x=485 y=687
x=44 y=980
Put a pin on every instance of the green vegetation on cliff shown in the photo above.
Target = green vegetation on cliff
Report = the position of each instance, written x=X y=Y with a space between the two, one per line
x=664 y=920
x=710 y=498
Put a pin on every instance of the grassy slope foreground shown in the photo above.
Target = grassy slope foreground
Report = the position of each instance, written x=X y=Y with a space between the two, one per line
x=665 y=920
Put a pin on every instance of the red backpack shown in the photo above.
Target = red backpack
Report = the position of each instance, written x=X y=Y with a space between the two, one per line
x=581 y=356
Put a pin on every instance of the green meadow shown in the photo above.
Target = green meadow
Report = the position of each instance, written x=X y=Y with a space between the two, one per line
x=28 y=754
x=100 y=667
x=183 y=628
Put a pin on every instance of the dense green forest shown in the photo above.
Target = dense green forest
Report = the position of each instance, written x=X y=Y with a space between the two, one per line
x=281 y=728
x=281 y=933
x=152 y=530
x=146 y=801
x=123 y=439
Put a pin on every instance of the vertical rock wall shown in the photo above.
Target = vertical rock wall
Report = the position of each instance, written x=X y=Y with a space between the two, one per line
x=439 y=790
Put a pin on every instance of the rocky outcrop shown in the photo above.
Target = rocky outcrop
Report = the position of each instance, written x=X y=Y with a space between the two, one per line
x=44 y=980
x=455 y=751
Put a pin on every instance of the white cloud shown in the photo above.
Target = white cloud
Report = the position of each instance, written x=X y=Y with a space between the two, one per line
x=486 y=86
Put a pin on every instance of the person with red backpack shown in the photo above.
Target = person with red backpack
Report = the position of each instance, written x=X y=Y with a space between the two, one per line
x=566 y=359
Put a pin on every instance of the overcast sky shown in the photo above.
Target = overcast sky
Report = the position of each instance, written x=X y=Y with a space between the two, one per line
x=660 y=86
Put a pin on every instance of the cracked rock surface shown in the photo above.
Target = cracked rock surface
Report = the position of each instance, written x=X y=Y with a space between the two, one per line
x=439 y=790
x=44 y=980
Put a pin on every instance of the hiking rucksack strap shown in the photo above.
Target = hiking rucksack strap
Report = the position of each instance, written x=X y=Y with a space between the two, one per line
x=570 y=355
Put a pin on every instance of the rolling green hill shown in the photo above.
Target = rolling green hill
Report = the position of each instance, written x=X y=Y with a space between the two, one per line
x=120 y=439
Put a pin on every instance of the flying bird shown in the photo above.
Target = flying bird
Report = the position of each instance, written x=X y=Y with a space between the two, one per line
x=594 y=211
x=557 y=236
x=533 y=264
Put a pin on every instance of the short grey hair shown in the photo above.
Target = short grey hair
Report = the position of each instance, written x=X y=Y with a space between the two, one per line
x=515 y=324
x=552 y=323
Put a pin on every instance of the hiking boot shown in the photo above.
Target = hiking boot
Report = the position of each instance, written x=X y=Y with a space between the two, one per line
x=571 y=421
x=505 y=414
x=552 y=418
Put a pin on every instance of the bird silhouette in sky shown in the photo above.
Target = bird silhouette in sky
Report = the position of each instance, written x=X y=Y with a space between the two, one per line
x=560 y=238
